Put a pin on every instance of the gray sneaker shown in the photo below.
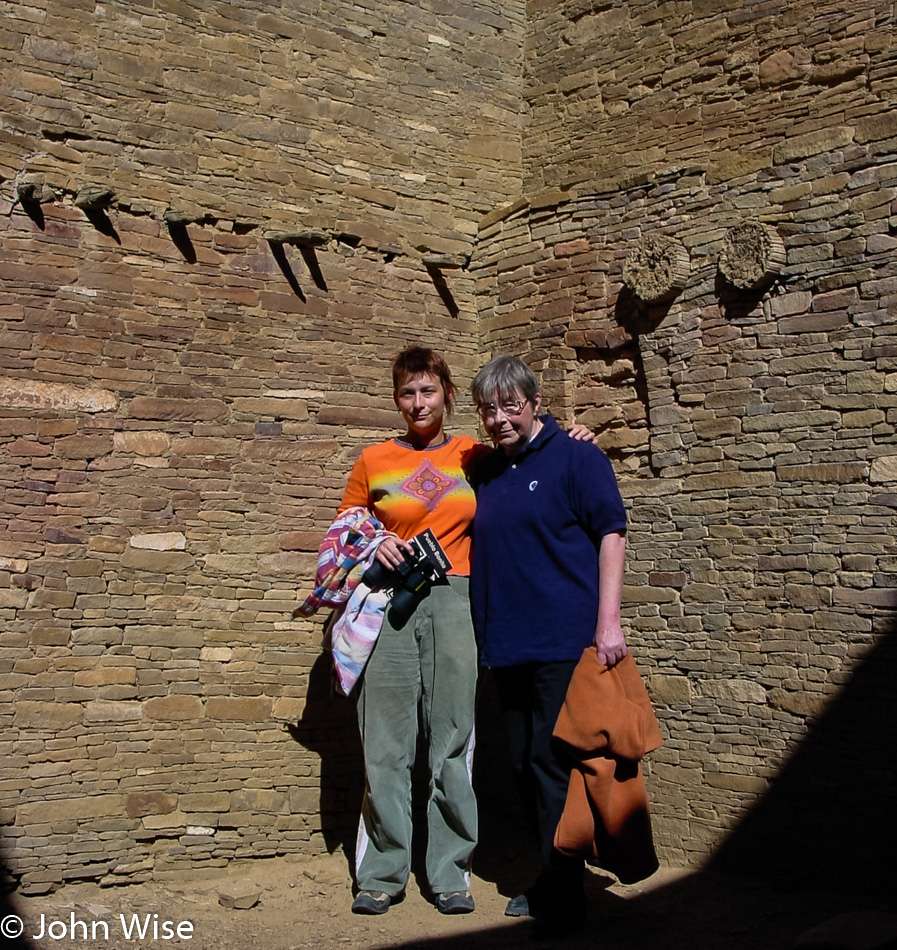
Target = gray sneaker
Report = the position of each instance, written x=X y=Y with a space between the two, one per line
x=455 y=902
x=371 y=902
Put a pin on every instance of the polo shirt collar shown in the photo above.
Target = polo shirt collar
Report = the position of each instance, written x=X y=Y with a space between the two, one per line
x=548 y=431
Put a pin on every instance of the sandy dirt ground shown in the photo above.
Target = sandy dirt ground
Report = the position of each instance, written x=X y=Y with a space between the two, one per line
x=304 y=905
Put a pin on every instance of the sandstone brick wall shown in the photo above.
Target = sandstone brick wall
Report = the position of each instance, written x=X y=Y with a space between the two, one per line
x=270 y=113
x=613 y=87
x=186 y=373
x=753 y=429
x=189 y=365
x=175 y=439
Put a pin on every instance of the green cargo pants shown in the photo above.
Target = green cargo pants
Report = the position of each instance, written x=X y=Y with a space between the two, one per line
x=431 y=661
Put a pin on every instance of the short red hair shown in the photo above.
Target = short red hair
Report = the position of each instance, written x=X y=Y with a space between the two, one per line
x=416 y=361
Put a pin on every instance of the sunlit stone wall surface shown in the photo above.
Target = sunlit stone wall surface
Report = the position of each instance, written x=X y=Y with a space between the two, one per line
x=219 y=223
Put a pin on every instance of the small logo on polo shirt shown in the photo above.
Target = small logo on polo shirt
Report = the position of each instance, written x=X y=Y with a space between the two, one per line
x=532 y=485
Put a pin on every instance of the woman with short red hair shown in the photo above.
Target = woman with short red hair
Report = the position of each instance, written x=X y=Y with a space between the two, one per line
x=410 y=483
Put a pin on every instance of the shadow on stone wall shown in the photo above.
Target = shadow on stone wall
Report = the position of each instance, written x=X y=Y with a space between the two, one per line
x=9 y=913
x=831 y=813
x=329 y=728
x=806 y=854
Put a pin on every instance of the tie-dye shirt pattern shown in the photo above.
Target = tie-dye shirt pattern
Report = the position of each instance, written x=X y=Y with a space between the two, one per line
x=410 y=490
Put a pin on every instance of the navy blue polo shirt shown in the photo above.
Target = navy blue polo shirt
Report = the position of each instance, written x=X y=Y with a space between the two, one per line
x=540 y=518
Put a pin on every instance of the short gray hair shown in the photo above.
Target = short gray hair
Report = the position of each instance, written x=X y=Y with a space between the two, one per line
x=505 y=377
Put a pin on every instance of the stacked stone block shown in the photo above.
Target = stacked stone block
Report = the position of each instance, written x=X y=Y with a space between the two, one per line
x=616 y=88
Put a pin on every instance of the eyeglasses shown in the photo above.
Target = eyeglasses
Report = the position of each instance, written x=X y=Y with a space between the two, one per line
x=489 y=411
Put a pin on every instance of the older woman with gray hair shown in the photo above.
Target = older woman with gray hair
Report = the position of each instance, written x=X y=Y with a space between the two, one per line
x=546 y=582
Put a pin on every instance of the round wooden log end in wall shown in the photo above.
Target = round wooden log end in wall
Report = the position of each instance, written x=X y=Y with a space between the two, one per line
x=656 y=269
x=752 y=254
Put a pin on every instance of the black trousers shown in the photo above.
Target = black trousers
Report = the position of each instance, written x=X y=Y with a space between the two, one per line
x=531 y=696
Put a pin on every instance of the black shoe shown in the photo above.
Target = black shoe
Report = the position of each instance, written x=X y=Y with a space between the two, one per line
x=371 y=902
x=454 y=902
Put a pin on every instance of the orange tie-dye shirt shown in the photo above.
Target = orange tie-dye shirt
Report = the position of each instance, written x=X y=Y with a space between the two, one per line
x=410 y=490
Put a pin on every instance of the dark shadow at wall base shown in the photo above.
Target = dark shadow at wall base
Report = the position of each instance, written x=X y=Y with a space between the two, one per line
x=700 y=911
x=799 y=860
x=813 y=859
x=830 y=817
x=10 y=922
x=329 y=727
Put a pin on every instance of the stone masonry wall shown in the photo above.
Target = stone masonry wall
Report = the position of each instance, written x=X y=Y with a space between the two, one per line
x=270 y=113
x=187 y=369
x=753 y=428
x=221 y=220
x=615 y=87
